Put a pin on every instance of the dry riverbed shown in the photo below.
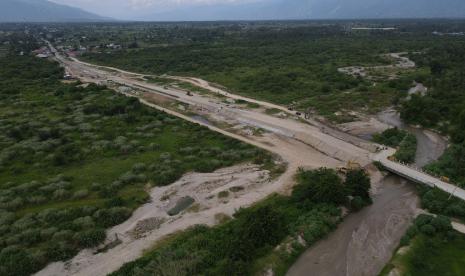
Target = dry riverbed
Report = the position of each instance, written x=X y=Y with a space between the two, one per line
x=215 y=196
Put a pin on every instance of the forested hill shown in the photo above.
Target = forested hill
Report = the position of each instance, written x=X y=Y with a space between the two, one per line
x=42 y=11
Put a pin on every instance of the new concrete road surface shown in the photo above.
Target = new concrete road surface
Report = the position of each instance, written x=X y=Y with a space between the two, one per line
x=416 y=175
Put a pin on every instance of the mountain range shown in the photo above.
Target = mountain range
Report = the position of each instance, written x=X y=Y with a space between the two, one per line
x=47 y=11
x=318 y=9
x=42 y=11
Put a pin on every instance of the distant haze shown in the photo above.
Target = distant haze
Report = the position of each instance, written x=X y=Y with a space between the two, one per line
x=187 y=10
x=42 y=11
x=270 y=9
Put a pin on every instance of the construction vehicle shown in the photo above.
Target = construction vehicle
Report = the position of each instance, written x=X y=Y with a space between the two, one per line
x=308 y=113
x=291 y=107
x=351 y=166
x=445 y=179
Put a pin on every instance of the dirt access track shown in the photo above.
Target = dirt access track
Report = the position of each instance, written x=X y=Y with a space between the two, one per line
x=298 y=143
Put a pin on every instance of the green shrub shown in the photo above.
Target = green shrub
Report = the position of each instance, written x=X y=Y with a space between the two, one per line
x=407 y=149
x=257 y=228
x=111 y=216
x=441 y=223
x=437 y=201
x=90 y=238
x=81 y=194
x=358 y=184
x=323 y=185
x=84 y=223
x=223 y=194
x=428 y=229
x=207 y=166
x=139 y=167
x=16 y=261
x=391 y=137
x=422 y=220
x=357 y=203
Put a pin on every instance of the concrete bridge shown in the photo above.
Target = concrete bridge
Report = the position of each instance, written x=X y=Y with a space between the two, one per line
x=416 y=175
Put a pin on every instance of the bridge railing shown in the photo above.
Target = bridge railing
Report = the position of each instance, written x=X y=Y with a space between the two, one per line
x=413 y=177
x=420 y=170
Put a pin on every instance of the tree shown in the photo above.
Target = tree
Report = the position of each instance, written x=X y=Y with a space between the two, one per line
x=436 y=68
x=458 y=130
x=358 y=184
x=319 y=186
x=357 y=203
x=257 y=228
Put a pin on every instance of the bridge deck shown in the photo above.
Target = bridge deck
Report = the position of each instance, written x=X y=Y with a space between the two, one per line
x=416 y=175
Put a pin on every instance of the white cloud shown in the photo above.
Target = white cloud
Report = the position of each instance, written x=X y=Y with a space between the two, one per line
x=140 y=4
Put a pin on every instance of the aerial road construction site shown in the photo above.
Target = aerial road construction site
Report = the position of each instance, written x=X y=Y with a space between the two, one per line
x=299 y=141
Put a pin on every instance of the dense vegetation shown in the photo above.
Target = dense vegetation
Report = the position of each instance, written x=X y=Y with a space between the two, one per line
x=391 y=137
x=76 y=160
x=451 y=164
x=286 y=64
x=245 y=245
x=439 y=202
x=405 y=143
x=434 y=249
x=443 y=107
x=297 y=62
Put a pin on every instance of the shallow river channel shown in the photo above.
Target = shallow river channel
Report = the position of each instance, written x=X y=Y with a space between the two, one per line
x=364 y=242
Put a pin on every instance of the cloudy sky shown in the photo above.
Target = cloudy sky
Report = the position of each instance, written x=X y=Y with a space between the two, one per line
x=133 y=9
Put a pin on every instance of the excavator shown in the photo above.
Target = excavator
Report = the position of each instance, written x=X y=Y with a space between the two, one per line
x=351 y=166
x=392 y=158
